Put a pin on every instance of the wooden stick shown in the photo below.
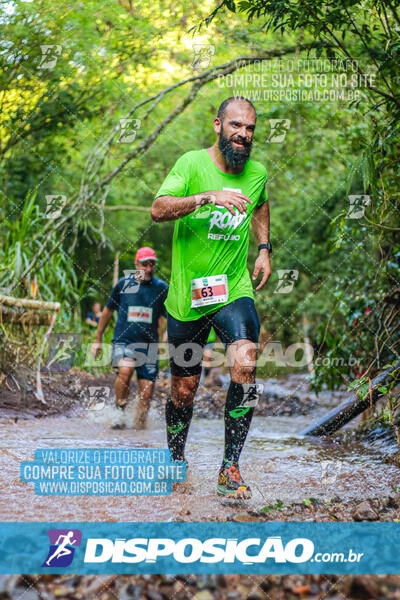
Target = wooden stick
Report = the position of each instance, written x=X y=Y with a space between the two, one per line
x=351 y=408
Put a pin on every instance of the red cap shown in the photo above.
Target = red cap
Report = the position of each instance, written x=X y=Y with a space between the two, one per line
x=145 y=253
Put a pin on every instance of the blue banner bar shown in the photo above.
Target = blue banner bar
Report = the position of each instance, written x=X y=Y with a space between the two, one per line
x=257 y=548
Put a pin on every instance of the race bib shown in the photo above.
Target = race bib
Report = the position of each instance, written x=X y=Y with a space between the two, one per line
x=140 y=314
x=209 y=290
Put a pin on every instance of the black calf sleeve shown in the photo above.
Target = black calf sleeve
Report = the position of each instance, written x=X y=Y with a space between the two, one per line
x=178 y=421
x=239 y=408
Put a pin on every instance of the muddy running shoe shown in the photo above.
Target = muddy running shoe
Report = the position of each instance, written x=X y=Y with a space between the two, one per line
x=121 y=405
x=230 y=482
x=118 y=421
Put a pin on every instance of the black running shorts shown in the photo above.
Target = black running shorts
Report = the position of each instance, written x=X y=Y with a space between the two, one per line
x=235 y=321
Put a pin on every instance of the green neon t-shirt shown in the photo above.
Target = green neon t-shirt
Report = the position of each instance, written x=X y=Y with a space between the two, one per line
x=210 y=241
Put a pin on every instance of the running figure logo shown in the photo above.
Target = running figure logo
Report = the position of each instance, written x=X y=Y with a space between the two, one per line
x=358 y=204
x=62 y=547
x=50 y=55
x=251 y=393
x=279 y=129
x=132 y=280
x=287 y=279
x=203 y=54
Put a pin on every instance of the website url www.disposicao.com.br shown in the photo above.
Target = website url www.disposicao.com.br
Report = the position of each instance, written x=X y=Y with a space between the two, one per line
x=213 y=550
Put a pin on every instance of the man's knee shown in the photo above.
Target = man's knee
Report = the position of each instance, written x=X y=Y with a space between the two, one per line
x=125 y=374
x=184 y=390
x=243 y=361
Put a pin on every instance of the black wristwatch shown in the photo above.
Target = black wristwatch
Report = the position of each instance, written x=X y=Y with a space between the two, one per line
x=265 y=247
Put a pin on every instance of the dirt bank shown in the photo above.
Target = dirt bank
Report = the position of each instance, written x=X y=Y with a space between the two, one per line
x=66 y=392
x=200 y=587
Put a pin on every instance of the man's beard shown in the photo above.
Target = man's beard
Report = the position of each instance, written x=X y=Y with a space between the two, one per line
x=234 y=156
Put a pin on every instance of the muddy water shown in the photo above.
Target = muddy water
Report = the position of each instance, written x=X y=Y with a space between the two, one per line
x=276 y=461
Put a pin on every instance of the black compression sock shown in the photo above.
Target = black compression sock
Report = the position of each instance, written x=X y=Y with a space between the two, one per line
x=238 y=415
x=178 y=421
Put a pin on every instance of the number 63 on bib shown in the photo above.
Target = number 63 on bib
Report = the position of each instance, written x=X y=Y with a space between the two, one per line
x=209 y=290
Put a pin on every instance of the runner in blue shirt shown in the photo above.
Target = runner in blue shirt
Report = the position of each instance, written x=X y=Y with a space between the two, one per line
x=139 y=299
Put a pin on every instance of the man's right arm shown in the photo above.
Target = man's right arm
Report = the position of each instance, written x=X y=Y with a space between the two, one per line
x=103 y=322
x=170 y=208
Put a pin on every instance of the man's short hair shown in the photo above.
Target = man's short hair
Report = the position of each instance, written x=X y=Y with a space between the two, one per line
x=225 y=103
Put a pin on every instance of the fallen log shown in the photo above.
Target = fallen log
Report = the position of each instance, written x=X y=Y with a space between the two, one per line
x=27 y=303
x=353 y=407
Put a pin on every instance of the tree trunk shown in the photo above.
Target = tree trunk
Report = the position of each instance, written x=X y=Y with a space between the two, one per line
x=349 y=409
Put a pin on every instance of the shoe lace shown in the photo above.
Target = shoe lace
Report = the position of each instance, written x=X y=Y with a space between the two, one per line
x=234 y=474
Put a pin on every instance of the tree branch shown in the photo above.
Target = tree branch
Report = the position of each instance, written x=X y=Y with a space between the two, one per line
x=76 y=203
x=200 y=81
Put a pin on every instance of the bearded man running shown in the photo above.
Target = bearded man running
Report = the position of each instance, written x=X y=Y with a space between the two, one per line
x=213 y=194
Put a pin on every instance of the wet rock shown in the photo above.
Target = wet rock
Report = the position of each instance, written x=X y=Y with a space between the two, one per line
x=265 y=585
x=187 y=579
x=256 y=595
x=232 y=580
x=365 y=512
x=154 y=595
x=98 y=583
x=221 y=582
x=166 y=590
x=314 y=589
x=393 y=501
x=245 y=518
x=365 y=587
x=203 y=595
x=28 y=594
x=207 y=582
x=301 y=590
x=130 y=592
x=8 y=583
x=336 y=499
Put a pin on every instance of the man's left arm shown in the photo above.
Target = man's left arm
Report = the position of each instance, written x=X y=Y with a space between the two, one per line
x=260 y=224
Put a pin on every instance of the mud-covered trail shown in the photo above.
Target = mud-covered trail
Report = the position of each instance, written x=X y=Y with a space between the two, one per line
x=277 y=462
